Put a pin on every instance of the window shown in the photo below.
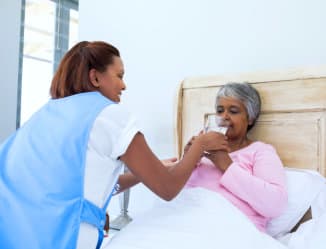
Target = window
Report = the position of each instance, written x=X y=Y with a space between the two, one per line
x=50 y=28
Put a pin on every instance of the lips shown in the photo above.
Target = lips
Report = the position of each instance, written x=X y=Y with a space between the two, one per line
x=229 y=127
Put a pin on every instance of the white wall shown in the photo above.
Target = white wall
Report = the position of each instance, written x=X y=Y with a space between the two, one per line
x=162 y=42
x=10 y=14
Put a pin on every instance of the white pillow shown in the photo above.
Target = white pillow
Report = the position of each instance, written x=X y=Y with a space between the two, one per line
x=303 y=186
x=318 y=206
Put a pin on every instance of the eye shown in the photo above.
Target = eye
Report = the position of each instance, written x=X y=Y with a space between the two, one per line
x=220 y=110
x=234 y=110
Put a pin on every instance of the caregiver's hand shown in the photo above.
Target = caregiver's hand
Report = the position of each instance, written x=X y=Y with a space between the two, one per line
x=220 y=142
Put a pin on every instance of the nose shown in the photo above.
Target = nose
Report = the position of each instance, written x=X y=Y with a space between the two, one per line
x=124 y=87
x=225 y=115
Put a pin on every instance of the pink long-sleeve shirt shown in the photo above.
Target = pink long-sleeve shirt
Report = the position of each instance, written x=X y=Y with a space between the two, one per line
x=255 y=182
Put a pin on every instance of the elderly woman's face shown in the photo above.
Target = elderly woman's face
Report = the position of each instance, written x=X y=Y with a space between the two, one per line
x=234 y=111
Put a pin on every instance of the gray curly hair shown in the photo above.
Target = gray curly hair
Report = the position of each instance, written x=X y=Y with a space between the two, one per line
x=247 y=94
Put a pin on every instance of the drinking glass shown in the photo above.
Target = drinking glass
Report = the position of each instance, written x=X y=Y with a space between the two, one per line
x=213 y=122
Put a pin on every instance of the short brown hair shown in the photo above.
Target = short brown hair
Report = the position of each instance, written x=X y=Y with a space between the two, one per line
x=72 y=75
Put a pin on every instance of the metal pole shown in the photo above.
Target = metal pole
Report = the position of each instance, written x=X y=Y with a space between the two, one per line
x=123 y=219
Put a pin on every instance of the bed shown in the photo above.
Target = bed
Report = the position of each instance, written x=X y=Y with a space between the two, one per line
x=293 y=120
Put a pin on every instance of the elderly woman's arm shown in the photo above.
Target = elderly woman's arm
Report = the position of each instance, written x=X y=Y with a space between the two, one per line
x=221 y=159
x=263 y=188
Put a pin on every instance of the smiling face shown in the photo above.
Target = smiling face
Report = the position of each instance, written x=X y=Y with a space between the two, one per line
x=234 y=111
x=110 y=82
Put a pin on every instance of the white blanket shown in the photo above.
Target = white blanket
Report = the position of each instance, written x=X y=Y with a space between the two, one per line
x=310 y=235
x=197 y=218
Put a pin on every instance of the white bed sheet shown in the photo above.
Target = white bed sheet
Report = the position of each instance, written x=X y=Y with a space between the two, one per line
x=310 y=235
x=196 y=218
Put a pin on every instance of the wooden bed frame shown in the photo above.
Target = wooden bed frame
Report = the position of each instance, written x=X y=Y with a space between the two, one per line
x=293 y=117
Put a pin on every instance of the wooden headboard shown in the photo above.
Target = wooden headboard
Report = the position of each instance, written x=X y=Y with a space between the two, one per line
x=293 y=117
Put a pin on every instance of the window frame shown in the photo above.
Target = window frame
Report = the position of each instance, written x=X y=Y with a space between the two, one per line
x=61 y=42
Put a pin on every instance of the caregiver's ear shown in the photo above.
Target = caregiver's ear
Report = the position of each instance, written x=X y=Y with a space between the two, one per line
x=93 y=77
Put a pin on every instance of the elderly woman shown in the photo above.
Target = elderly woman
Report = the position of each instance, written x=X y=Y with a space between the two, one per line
x=250 y=175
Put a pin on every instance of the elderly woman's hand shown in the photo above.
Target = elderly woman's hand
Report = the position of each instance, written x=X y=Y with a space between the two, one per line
x=221 y=143
x=221 y=159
